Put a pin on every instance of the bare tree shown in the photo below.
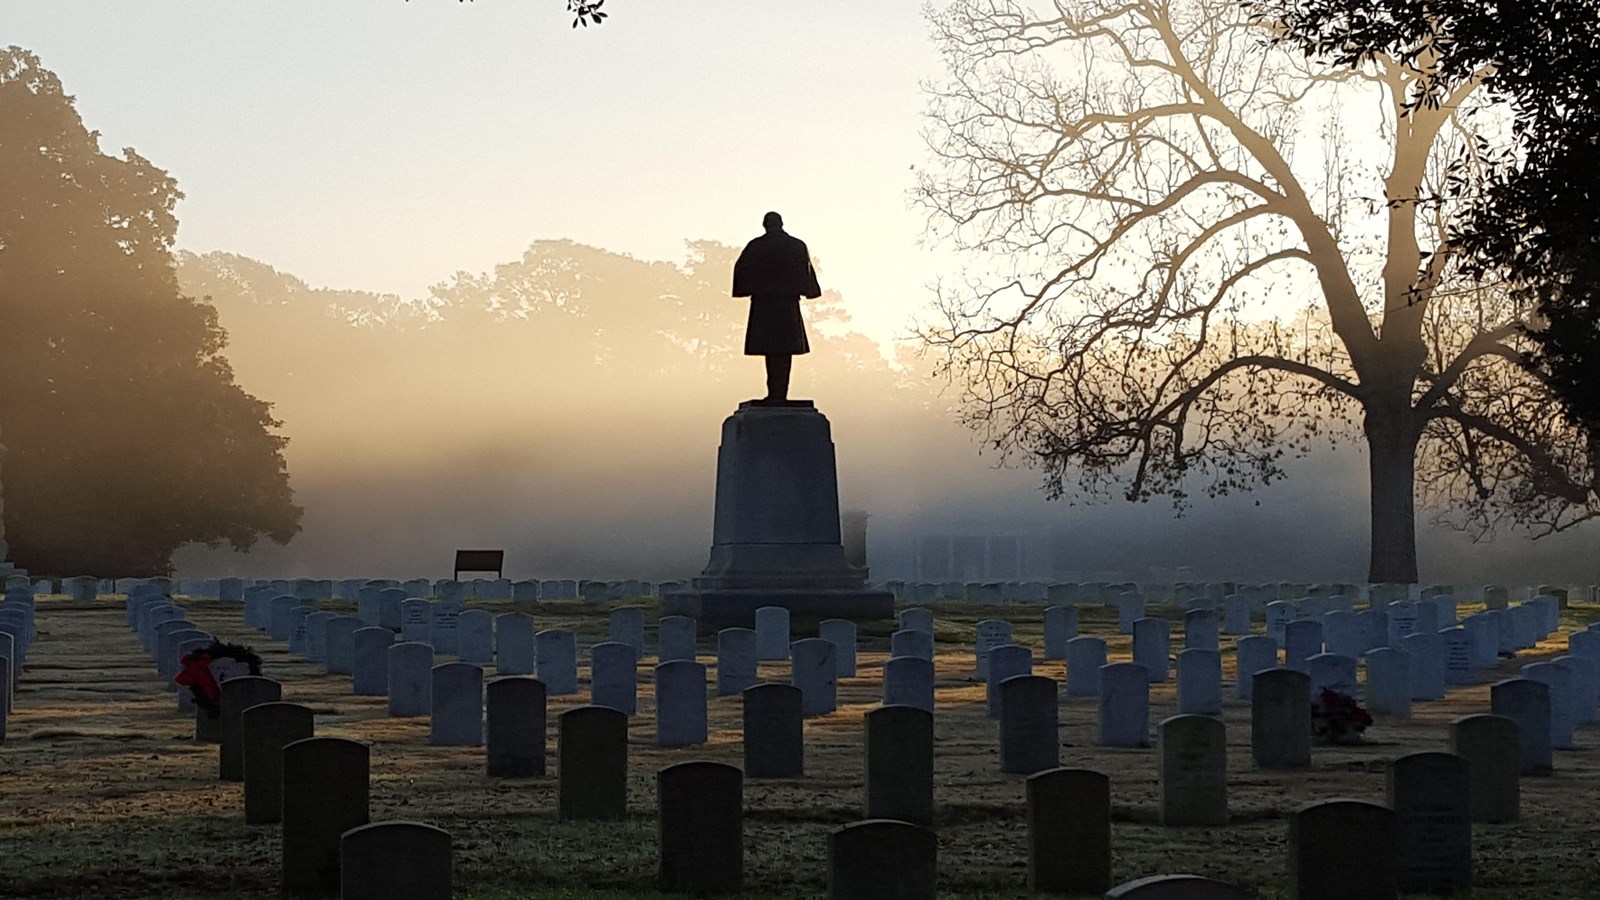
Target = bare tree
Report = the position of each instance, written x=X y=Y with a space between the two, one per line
x=1203 y=253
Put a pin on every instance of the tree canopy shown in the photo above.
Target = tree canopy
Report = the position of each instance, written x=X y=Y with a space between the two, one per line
x=1532 y=218
x=1150 y=189
x=128 y=436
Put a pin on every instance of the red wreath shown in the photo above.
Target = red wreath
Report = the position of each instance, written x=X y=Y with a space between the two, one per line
x=196 y=673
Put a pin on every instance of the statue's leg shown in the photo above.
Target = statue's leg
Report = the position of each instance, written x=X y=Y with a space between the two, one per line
x=778 y=367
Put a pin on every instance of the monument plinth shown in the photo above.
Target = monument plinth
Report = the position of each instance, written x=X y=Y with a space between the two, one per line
x=776 y=540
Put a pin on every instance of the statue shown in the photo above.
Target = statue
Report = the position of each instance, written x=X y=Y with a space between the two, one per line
x=775 y=271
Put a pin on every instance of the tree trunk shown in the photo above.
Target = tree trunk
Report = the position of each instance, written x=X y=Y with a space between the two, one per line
x=1392 y=449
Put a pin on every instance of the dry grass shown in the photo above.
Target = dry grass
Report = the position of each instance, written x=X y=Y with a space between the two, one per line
x=102 y=794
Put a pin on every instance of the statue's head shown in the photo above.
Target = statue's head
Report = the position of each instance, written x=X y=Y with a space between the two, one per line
x=771 y=221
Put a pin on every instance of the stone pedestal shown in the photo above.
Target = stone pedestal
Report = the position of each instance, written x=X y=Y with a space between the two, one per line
x=776 y=537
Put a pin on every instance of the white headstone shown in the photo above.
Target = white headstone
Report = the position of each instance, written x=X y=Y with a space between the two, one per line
x=736 y=661
x=814 y=671
x=614 y=674
x=908 y=681
x=557 y=653
x=514 y=652
x=1085 y=658
x=1255 y=653
x=1389 y=682
x=1200 y=682
x=772 y=633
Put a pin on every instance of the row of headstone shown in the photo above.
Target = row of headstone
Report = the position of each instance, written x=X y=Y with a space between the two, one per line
x=18 y=628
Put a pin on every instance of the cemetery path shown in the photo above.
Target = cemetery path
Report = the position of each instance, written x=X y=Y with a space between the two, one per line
x=104 y=794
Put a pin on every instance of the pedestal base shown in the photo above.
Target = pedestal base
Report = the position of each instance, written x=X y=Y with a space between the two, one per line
x=776 y=538
x=727 y=607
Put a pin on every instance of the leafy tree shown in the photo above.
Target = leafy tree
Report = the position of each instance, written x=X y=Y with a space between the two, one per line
x=1533 y=219
x=1153 y=180
x=128 y=435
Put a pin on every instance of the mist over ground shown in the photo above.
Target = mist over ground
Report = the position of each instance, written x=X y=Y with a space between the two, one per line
x=567 y=407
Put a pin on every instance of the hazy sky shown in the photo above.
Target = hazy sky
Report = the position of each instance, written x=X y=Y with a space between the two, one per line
x=385 y=144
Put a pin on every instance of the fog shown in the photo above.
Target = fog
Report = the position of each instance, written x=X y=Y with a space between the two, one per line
x=566 y=407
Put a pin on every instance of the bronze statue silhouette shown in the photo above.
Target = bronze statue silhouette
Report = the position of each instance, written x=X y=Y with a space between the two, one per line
x=775 y=271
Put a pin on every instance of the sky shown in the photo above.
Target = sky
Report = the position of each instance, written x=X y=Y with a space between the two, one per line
x=385 y=144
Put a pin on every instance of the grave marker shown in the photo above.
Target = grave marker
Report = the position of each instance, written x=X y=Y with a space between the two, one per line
x=515 y=728
x=325 y=794
x=700 y=828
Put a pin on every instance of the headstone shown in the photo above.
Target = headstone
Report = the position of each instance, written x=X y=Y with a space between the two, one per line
x=908 y=681
x=367 y=605
x=1562 y=717
x=1280 y=719
x=340 y=635
x=917 y=619
x=317 y=636
x=772 y=633
x=882 y=859
x=1085 y=657
x=279 y=624
x=676 y=638
x=991 y=633
x=1253 y=653
x=1402 y=616
x=475 y=637
x=1427 y=617
x=899 y=763
x=1279 y=614
x=680 y=704
x=385 y=860
x=457 y=717
x=1124 y=705
x=736 y=661
x=700 y=828
x=410 y=679
x=1235 y=614
x=920 y=644
x=1200 y=682
x=514 y=732
x=1152 y=647
x=1200 y=630
x=1342 y=849
x=1460 y=664
x=592 y=763
x=812 y=670
x=1584 y=675
x=1193 y=773
x=1490 y=747
x=1060 y=626
x=389 y=602
x=1527 y=704
x=370 y=676
x=1069 y=831
x=1389 y=682
x=556 y=652
x=1334 y=672
x=325 y=794
x=626 y=626
x=1029 y=724
x=514 y=652
x=614 y=676
x=1427 y=665
x=1004 y=662
x=1130 y=609
x=238 y=695
x=444 y=630
x=774 y=732
x=841 y=633
x=1302 y=639
x=1433 y=824
x=266 y=729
